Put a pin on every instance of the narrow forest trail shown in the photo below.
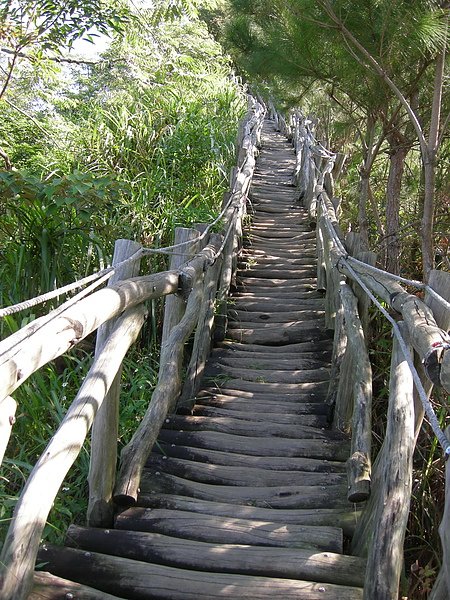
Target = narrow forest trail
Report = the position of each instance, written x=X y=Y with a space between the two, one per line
x=246 y=497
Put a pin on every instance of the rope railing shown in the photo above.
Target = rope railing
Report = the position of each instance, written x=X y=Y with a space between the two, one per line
x=423 y=333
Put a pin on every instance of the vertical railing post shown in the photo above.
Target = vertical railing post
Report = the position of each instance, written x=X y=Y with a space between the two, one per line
x=103 y=460
x=175 y=305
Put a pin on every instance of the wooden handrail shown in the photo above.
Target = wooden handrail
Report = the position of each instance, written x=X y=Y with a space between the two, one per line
x=380 y=531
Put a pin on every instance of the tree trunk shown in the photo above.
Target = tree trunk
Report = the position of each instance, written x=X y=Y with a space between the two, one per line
x=429 y=174
x=363 y=224
x=396 y=167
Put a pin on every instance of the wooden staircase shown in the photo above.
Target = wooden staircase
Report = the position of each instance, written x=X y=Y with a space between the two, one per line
x=246 y=496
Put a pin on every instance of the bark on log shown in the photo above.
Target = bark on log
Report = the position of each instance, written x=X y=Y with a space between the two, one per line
x=21 y=544
x=103 y=459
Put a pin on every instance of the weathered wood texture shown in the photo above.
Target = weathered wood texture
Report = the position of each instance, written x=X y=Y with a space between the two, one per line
x=441 y=588
x=103 y=459
x=175 y=304
x=354 y=398
x=167 y=390
x=390 y=514
x=51 y=340
x=21 y=543
x=203 y=334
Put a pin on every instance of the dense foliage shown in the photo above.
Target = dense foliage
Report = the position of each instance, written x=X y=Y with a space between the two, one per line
x=125 y=145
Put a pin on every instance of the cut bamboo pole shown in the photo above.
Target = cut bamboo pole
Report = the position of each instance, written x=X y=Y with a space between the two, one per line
x=103 y=459
x=22 y=540
x=385 y=559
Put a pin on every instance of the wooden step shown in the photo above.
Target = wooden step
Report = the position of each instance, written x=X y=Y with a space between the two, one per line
x=242 y=428
x=248 y=316
x=259 y=446
x=228 y=530
x=258 y=406
x=345 y=517
x=266 y=561
x=235 y=475
x=137 y=579
x=317 y=419
x=258 y=373
x=215 y=457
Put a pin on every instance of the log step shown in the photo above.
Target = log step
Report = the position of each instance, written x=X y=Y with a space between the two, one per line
x=201 y=556
x=215 y=457
x=136 y=579
x=226 y=442
x=235 y=475
x=227 y=530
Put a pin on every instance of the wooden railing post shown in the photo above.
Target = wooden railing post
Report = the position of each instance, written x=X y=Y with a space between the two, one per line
x=103 y=459
x=175 y=305
x=390 y=512
x=441 y=589
x=203 y=334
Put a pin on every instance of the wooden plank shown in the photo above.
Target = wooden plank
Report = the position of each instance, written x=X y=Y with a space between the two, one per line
x=266 y=561
x=266 y=375
x=227 y=442
x=103 y=457
x=346 y=517
x=131 y=579
x=21 y=544
x=229 y=530
x=247 y=316
x=284 y=496
x=234 y=475
x=258 y=407
x=215 y=457
x=238 y=427
x=312 y=420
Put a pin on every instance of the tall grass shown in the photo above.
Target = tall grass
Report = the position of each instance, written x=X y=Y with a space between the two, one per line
x=154 y=144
